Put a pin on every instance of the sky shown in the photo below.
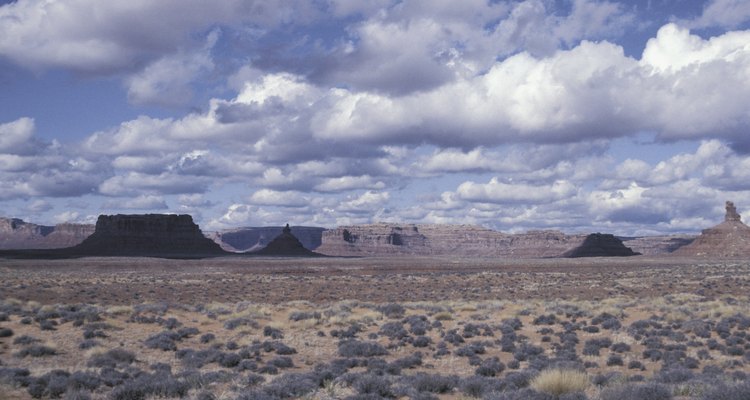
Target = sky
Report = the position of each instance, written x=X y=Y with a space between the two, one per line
x=579 y=115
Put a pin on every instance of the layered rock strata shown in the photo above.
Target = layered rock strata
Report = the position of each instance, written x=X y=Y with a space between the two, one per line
x=17 y=234
x=443 y=240
x=729 y=239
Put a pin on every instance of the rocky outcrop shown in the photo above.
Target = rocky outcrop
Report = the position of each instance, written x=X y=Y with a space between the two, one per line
x=155 y=235
x=17 y=234
x=251 y=239
x=601 y=245
x=729 y=239
x=657 y=245
x=443 y=240
x=285 y=245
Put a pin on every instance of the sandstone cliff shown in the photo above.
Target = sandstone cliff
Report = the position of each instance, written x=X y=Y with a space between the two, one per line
x=285 y=244
x=601 y=245
x=657 y=245
x=17 y=234
x=729 y=239
x=255 y=238
x=147 y=235
x=457 y=240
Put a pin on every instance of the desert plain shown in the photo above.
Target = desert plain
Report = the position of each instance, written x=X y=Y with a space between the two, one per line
x=369 y=328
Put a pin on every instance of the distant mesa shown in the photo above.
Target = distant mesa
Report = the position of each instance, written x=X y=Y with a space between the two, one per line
x=729 y=239
x=601 y=245
x=285 y=245
x=250 y=239
x=159 y=235
x=17 y=234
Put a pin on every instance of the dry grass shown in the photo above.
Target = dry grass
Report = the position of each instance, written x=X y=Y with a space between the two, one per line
x=558 y=382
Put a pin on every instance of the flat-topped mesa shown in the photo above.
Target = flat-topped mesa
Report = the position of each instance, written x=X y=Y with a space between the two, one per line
x=285 y=245
x=161 y=235
x=731 y=214
x=384 y=239
x=249 y=239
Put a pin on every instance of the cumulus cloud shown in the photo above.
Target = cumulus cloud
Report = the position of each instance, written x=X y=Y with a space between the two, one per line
x=496 y=191
x=369 y=202
x=267 y=197
x=722 y=13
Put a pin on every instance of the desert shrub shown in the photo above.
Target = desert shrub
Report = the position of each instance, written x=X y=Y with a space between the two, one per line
x=207 y=337
x=620 y=347
x=301 y=315
x=282 y=349
x=590 y=329
x=52 y=384
x=434 y=383
x=14 y=376
x=234 y=323
x=410 y=361
x=350 y=332
x=187 y=332
x=525 y=351
x=355 y=348
x=647 y=391
x=615 y=359
x=268 y=369
x=421 y=341
x=25 y=340
x=47 y=325
x=165 y=341
x=157 y=385
x=84 y=380
x=293 y=385
x=675 y=375
x=490 y=367
x=470 y=350
x=394 y=330
x=558 y=382
x=273 y=333
x=36 y=350
x=453 y=337
x=77 y=394
x=391 y=310
x=369 y=384
x=549 y=319
x=112 y=358
x=478 y=386
x=635 y=364
x=739 y=391
x=652 y=354
x=3 y=317
x=281 y=362
x=6 y=332
x=88 y=343
x=229 y=360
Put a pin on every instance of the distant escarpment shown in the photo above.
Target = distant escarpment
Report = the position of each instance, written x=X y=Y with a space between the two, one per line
x=443 y=240
x=601 y=245
x=17 y=234
x=285 y=244
x=729 y=239
x=157 y=235
x=251 y=239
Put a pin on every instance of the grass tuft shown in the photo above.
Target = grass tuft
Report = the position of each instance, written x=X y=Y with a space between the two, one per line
x=558 y=382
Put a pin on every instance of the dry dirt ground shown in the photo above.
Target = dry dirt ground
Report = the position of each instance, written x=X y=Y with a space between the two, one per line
x=421 y=328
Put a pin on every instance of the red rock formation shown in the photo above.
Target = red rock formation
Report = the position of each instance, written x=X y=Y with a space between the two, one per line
x=17 y=234
x=443 y=240
x=729 y=239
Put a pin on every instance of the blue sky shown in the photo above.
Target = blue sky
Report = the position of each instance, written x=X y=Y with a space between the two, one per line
x=578 y=115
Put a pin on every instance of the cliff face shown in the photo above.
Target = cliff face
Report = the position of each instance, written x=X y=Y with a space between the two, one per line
x=601 y=245
x=656 y=245
x=147 y=235
x=458 y=240
x=255 y=238
x=17 y=234
x=729 y=239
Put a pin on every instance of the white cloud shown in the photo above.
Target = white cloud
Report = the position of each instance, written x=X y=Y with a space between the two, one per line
x=142 y=202
x=369 y=202
x=499 y=192
x=267 y=197
x=722 y=13
x=345 y=183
